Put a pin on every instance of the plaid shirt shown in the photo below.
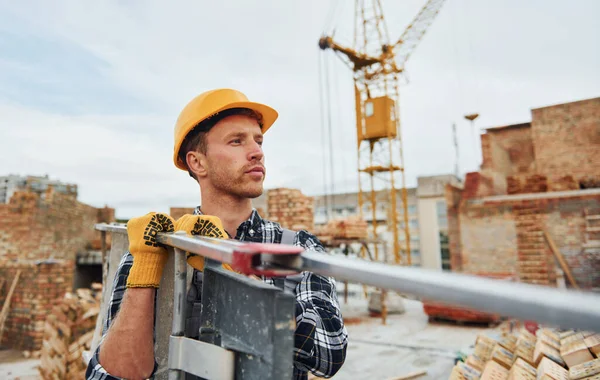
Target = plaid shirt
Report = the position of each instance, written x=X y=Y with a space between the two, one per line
x=320 y=339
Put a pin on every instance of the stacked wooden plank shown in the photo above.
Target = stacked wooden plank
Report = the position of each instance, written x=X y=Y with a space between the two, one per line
x=68 y=332
x=349 y=228
x=291 y=208
x=548 y=354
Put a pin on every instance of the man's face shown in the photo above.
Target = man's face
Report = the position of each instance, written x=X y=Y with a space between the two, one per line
x=234 y=157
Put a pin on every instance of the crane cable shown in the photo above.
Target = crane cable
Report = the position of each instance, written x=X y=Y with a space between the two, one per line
x=340 y=124
x=323 y=143
x=326 y=112
x=326 y=132
x=332 y=16
x=331 y=151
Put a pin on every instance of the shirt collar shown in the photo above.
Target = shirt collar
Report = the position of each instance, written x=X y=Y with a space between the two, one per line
x=253 y=222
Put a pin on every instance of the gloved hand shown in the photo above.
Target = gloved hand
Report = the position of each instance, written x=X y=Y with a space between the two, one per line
x=149 y=257
x=201 y=225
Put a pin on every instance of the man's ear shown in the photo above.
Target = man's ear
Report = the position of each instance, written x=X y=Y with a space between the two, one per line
x=196 y=162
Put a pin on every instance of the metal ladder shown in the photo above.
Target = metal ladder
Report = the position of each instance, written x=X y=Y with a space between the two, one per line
x=247 y=326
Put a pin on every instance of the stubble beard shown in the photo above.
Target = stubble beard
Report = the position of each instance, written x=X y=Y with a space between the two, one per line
x=236 y=184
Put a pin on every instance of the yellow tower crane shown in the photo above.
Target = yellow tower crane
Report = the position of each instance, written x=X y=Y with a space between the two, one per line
x=377 y=64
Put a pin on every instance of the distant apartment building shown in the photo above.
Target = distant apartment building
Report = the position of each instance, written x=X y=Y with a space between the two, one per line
x=433 y=220
x=8 y=185
x=37 y=184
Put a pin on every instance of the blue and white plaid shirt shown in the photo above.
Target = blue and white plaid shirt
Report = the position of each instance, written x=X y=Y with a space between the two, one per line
x=321 y=338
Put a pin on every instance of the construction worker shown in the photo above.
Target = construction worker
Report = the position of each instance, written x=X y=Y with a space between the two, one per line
x=218 y=141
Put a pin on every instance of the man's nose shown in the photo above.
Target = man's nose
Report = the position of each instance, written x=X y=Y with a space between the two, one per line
x=256 y=153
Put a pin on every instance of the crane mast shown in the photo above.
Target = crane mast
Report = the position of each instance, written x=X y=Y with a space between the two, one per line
x=376 y=65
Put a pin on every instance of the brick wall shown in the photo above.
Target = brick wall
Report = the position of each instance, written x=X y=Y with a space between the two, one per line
x=508 y=150
x=488 y=239
x=291 y=208
x=34 y=226
x=48 y=227
x=565 y=222
x=453 y=202
x=526 y=183
x=567 y=140
x=38 y=287
x=506 y=236
x=535 y=264
x=484 y=183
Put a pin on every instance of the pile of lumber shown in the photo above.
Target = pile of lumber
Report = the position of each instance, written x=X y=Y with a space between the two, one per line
x=291 y=208
x=349 y=228
x=68 y=332
x=549 y=354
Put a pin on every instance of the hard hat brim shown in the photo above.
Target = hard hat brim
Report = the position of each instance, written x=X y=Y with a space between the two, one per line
x=269 y=116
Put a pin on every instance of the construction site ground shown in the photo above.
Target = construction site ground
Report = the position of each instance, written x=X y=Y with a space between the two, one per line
x=13 y=366
x=405 y=344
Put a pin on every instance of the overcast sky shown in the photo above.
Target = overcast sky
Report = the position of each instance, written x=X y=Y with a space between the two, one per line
x=89 y=91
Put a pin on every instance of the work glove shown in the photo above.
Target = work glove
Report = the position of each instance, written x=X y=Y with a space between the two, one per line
x=149 y=257
x=201 y=225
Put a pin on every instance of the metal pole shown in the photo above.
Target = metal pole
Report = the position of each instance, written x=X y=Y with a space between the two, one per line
x=562 y=308
x=179 y=303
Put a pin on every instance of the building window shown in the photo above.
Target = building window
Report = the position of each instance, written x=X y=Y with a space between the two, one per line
x=442 y=214
x=412 y=209
x=414 y=224
x=445 y=250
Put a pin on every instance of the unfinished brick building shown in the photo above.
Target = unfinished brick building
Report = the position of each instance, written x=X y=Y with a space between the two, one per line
x=43 y=229
x=538 y=187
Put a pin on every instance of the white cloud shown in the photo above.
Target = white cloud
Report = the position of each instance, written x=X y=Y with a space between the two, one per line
x=498 y=58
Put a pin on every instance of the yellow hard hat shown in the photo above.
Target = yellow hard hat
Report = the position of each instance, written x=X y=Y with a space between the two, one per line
x=209 y=104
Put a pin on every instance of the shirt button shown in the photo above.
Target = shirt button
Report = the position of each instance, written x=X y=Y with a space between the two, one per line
x=251 y=232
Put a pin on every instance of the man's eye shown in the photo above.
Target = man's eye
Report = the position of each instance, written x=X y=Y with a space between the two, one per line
x=259 y=143
x=237 y=141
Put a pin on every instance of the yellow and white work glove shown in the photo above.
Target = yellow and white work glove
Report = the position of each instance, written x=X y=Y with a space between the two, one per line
x=149 y=257
x=201 y=225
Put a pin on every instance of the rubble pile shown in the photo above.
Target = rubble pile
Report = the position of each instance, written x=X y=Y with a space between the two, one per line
x=549 y=354
x=68 y=332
